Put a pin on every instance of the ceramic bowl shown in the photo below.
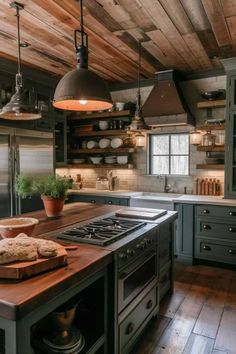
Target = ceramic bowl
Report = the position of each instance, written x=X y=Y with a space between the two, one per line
x=91 y=144
x=96 y=160
x=122 y=160
x=103 y=124
x=116 y=143
x=104 y=143
x=12 y=227
x=119 y=106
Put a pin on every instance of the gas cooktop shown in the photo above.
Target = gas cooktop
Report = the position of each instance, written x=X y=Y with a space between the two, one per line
x=101 y=232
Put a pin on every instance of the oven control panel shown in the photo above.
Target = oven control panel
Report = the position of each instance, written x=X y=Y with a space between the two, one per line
x=136 y=248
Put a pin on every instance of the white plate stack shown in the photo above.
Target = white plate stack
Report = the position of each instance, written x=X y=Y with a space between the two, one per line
x=110 y=160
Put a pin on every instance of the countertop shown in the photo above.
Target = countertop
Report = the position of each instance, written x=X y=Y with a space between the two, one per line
x=205 y=199
x=107 y=193
x=159 y=196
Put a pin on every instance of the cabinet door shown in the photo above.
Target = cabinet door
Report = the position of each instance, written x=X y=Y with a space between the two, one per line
x=86 y=199
x=232 y=90
x=230 y=163
x=184 y=232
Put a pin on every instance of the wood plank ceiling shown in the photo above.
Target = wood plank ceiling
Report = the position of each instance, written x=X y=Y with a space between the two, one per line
x=188 y=35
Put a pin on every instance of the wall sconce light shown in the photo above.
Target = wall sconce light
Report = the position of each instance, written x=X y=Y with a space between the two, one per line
x=140 y=140
x=195 y=138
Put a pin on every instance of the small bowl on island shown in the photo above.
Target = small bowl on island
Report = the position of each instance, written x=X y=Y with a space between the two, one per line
x=11 y=227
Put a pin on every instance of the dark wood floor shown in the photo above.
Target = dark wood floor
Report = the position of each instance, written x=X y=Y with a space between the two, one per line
x=198 y=318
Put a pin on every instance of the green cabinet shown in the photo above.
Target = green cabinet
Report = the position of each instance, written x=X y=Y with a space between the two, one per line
x=230 y=145
x=97 y=199
x=60 y=135
x=215 y=233
x=184 y=232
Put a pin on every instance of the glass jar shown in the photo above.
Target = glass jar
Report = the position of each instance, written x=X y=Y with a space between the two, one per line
x=208 y=139
x=101 y=183
x=220 y=138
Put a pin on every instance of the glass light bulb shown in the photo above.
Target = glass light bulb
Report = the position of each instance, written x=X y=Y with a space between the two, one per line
x=83 y=102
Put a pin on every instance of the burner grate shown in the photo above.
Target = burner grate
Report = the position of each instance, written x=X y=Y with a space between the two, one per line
x=101 y=232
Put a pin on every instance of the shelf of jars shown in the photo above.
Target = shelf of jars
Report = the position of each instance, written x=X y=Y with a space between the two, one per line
x=99 y=115
x=211 y=104
x=210 y=167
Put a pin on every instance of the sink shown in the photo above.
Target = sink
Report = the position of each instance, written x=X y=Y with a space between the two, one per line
x=154 y=200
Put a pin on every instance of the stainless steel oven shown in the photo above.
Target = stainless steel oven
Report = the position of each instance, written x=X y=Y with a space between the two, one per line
x=136 y=276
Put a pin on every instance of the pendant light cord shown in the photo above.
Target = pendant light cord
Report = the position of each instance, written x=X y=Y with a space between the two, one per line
x=18 y=38
x=82 y=47
x=82 y=22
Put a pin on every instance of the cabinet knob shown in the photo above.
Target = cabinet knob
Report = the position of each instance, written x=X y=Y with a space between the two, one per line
x=110 y=202
x=93 y=201
x=231 y=213
x=231 y=229
x=149 y=304
x=206 y=248
x=232 y=252
x=130 y=328
x=206 y=211
x=206 y=227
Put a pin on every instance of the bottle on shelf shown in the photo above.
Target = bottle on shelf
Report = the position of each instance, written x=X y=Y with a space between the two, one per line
x=210 y=187
x=206 y=185
x=218 y=187
x=214 y=187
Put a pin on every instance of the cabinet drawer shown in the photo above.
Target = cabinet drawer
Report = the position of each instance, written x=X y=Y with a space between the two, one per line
x=135 y=319
x=165 y=280
x=216 y=229
x=217 y=211
x=215 y=251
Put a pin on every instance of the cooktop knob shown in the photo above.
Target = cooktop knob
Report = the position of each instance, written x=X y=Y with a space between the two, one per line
x=123 y=256
x=130 y=252
x=140 y=246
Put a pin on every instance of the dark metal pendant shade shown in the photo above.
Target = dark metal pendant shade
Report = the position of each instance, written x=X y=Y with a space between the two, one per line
x=82 y=90
x=19 y=107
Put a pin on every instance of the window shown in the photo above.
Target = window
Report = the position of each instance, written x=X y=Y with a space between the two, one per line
x=169 y=154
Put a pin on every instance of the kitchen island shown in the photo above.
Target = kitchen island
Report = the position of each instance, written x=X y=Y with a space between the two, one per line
x=24 y=305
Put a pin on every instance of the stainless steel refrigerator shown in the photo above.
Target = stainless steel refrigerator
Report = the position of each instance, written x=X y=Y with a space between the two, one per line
x=22 y=151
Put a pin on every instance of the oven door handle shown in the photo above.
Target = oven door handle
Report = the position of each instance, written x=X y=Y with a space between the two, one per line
x=139 y=262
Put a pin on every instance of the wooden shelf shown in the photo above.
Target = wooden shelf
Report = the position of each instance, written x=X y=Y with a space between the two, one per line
x=104 y=165
x=101 y=133
x=102 y=115
x=102 y=151
x=211 y=104
x=210 y=127
x=210 y=167
x=215 y=148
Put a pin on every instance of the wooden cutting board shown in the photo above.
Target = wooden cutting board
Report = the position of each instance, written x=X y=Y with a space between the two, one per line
x=141 y=214
x=23 y=270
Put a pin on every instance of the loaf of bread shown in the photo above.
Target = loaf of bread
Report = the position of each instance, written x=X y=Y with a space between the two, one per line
x=24 y=248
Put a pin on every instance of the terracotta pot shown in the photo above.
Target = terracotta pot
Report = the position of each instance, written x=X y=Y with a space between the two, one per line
x=53 y=206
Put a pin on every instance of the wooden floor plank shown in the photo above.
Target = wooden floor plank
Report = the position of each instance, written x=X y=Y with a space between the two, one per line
x=197 y=290
x=210 y=316
x=198 y=345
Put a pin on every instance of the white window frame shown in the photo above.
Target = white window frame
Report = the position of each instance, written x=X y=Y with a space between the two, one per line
x=149 y=156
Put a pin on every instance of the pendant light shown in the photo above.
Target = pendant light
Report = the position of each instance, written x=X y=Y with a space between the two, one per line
x=19 y=107
x=138 y=123
x=82 y=89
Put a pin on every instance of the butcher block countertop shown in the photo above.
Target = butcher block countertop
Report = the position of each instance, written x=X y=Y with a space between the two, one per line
x=17 y=299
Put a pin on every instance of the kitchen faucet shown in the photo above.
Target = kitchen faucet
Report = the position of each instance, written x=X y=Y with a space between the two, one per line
x=167 y=187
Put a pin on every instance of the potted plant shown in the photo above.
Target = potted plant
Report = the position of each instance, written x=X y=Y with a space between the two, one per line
x=52 y=189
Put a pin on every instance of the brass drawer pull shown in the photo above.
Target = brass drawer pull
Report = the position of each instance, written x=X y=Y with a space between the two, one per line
x=232 y=252
x=206 y=227
x=149 y=304
x=206 y=248
x=206 y=211
x=129 y=328
x=232 y=229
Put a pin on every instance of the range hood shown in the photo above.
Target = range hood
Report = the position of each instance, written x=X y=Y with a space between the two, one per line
x=165 y=104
